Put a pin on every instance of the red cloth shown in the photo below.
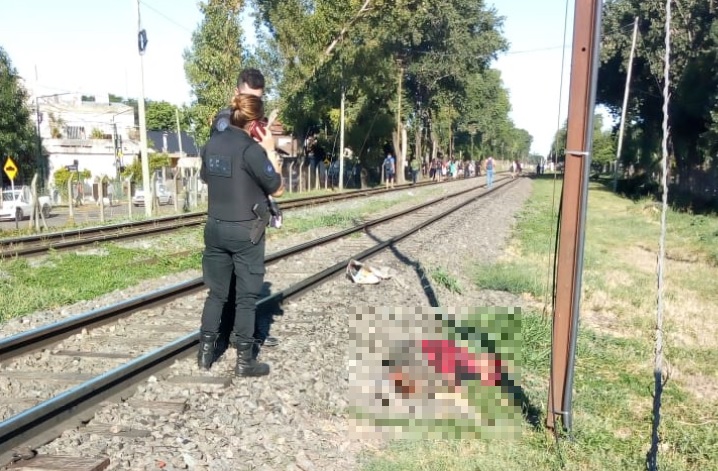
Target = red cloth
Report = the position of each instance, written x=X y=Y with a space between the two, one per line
x=450 y=359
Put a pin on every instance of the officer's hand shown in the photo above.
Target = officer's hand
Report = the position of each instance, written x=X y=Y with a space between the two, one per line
x=267 y=141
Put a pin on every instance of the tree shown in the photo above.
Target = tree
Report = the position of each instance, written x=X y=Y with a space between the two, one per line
x=17 y=134
x=693 y=87
x=214 y=61
x=62 y=175
x=161 y=116
x=441 y=46
x=134 y=170
x=603 y=150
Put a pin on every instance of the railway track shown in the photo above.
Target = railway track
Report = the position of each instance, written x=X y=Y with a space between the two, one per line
x=120 y=345
x=34 y=245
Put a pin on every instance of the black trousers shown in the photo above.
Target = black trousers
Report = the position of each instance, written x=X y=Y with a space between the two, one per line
x=228 y=250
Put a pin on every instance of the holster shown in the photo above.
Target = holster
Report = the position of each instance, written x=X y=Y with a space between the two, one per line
x=260 y=224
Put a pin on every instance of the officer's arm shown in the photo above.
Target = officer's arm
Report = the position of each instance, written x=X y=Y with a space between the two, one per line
x=203 y=169
x=266 y=174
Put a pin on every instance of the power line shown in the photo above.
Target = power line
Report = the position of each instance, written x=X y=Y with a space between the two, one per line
x=165 y=16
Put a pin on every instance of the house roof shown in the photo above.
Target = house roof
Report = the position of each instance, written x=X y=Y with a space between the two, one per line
x=189 y=147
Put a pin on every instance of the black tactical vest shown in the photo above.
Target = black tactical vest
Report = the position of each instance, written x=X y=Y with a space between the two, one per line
x=232 y=190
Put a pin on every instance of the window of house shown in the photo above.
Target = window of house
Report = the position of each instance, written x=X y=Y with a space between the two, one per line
x=75 y=132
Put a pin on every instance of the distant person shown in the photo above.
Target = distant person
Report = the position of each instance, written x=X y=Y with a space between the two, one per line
x=110 y=192
x=389 y=170
x=415 y=167
x=489 y=172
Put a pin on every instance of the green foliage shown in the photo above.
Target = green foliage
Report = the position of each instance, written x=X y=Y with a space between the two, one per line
x=213 y=62
x=96 y=134
x=444 y=49
x=604 y=144
x=693 y=87
x=443 y=278
x=160 y=116
x=134 y=170
x=17 y=134
x=63 y=175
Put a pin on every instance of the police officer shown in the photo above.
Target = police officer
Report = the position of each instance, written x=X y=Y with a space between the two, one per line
x=240 y=175
x=251 y=82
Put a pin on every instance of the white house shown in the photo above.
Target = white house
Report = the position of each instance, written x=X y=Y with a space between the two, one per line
x=82 y=134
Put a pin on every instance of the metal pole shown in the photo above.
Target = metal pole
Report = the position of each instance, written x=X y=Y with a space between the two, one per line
x=575 y=187
x=625 y=106
x=143 y=127
x=568 y=398
x=179 y=132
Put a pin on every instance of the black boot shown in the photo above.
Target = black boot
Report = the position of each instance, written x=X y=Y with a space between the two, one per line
x=207 y=350
x=247 y=364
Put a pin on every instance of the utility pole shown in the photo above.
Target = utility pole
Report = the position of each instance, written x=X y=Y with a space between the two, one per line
x=625 y=105
x=586 y=47
x=142 y=45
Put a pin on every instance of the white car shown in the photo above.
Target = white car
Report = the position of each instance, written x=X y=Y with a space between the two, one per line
x=18 y=204
x=163 y=197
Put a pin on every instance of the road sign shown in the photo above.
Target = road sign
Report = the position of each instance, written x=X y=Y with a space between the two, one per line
x=10 y=168
x=326 y=162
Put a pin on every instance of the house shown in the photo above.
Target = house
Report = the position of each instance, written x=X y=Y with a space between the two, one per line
x=168 y=143
x=84 y=135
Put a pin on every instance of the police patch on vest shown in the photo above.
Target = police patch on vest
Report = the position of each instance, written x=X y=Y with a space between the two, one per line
x=219 y=165
x=269 y=170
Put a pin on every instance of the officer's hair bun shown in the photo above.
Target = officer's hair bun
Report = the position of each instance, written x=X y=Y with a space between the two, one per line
x=245 y=109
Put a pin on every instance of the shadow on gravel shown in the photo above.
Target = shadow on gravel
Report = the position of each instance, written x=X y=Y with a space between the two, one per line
x=263 y=322
x=418 y=269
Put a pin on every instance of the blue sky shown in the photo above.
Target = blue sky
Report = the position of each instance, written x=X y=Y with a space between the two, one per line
x=90 y=46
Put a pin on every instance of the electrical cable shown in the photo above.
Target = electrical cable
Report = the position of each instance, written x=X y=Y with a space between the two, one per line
x=165 y=16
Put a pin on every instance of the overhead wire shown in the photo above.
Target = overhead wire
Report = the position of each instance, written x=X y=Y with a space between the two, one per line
x=166 y=17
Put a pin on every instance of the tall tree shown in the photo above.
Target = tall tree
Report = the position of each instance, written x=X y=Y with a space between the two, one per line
x=693 y=87
x=161 y=116
x=17 y=134
x=214 y=61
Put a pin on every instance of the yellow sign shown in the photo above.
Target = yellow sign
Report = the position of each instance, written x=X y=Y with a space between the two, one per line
x=10 y=168
x=326 y=162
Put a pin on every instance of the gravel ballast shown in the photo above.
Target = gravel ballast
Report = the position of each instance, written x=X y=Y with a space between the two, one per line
x=296 y=418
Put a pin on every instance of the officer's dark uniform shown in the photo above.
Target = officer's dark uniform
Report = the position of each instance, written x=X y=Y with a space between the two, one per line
x=238 y=176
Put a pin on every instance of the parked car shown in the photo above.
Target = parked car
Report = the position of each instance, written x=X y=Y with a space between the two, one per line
x=163 y=197
x=18 y=204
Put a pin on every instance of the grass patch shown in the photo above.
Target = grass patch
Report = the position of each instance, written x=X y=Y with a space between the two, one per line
x=64 y=278
x=443 y=278
x=511 y=277
x=614 y=370
x=343 y=219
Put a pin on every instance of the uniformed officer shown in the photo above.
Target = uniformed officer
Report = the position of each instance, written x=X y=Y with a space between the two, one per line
x=240 y=175
x=251 y=82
